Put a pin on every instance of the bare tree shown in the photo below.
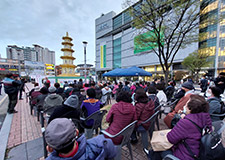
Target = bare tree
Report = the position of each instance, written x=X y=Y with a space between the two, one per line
x=171 y=25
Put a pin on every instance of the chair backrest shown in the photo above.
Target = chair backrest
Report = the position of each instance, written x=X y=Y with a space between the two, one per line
x=152 y=120
x=158 y=108
x=126 y=133
x=97 y=117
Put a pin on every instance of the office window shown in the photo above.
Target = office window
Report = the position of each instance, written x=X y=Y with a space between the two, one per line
x=127 y=17
x=117 y=22
x=117 y=53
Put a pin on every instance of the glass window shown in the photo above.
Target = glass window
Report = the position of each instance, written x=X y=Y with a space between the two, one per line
x=127 y=17
x=117 y=53
x=117 y=22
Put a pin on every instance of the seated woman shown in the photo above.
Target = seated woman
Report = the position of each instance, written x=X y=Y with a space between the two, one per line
x=161 y=95
x=214 y=102
x=90 y=105
x=152 y=95
x=195 y=110
x=144 y=110
x=120 y=115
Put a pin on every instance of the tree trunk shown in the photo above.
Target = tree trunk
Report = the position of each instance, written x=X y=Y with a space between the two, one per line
x=166 y=73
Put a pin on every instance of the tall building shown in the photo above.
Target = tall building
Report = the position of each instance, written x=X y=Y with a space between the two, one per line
x=116 y=46
x=44 y=54
x=36 y=53
x=212 y=34
x=29 y=54
x=14 y=52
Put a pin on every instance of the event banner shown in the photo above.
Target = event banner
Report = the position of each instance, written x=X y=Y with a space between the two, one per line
x=146 y=42
x=103 y=55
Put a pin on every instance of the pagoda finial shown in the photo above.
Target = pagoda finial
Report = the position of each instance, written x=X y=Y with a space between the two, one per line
x=67 y=34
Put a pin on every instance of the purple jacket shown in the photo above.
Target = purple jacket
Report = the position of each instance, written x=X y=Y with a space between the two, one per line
x=185 y=129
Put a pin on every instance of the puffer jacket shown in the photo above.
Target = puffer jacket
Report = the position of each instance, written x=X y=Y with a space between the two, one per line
x=98 y=148
x=144 y=111
x=214 y=107
x=120 y=115
x=11 y=86
x=52 y=101
x=186 y=130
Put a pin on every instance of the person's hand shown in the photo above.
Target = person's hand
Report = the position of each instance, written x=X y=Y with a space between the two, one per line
x=182 y=116
x=220 y=82
x=180 y=111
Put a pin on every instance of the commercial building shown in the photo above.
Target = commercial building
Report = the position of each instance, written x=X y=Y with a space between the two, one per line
x=36 y=53
x=116 y=46
x=9 y=65
x=212 y=34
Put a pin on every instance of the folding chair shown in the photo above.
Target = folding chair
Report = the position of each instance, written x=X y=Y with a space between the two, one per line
x=97 y=118
x=144 y=132
x=126 y=133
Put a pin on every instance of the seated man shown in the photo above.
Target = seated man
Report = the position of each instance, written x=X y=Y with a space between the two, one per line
x=69 y=109
x=189 y=90
x=105 y=91
x=34 y=95
x=62 y=138
x=59 y=90
x=90 y=105
x=41 y=98
x=52 y=100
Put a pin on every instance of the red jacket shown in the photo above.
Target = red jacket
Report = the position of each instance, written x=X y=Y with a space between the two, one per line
x=34 y=96
x=180 y=105
x=144 y=111
x=120 y=115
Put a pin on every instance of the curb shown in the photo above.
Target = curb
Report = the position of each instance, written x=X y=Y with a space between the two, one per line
x=4 y=133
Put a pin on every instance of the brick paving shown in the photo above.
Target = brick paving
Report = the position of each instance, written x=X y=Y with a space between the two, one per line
x=25 y=127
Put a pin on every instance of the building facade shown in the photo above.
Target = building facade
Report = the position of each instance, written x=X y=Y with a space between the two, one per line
x=36 y=53
x=116 y=47
x=9 y=65
x=212 y=34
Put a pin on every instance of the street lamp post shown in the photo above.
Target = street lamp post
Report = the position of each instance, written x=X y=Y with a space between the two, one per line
x=18 y=53
x=85 y=65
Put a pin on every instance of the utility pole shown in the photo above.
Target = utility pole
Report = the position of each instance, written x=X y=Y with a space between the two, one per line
x=18 y=53
x=85 y=61
x=217 y=39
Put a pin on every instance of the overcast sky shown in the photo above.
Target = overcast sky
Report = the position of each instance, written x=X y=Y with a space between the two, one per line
x=44 y=22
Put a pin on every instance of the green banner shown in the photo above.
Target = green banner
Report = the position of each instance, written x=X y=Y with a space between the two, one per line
x=145 y=42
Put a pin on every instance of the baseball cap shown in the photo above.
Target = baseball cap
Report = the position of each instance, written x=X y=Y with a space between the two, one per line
x=60 y=133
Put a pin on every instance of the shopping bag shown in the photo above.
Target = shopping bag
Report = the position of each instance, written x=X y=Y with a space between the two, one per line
x=159 y=140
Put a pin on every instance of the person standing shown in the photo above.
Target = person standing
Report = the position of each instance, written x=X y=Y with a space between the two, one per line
x=220 y=81
x=0 y=88
x=203 y=84
x=11 y=88
x=21 y=88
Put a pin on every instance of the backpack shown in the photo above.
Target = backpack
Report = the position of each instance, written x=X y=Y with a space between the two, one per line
x=211 y=147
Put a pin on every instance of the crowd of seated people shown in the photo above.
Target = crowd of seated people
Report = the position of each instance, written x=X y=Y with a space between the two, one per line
x=69 y=103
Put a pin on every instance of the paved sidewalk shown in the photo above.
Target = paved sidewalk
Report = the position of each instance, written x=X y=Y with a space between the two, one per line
x=25 y=127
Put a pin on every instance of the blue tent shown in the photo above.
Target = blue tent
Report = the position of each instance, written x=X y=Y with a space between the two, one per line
x=113 y=73
x=132 y=71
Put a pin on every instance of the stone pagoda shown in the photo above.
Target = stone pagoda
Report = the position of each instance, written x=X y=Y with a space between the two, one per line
x=67 y=66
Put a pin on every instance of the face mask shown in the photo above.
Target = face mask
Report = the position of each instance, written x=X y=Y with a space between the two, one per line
x=184 y=110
